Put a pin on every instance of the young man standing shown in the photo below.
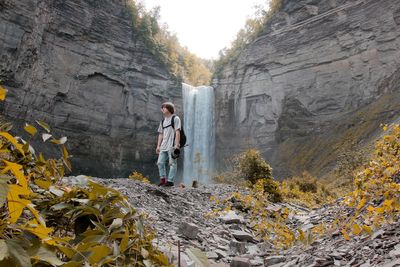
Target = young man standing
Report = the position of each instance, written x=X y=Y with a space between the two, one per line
x=168 y=140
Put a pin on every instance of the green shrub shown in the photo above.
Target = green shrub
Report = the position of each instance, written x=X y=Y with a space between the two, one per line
x=252 y=167
x=308 y=185
x=247 y=169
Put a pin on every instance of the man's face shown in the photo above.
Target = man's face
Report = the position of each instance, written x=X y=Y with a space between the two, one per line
x=164 y=110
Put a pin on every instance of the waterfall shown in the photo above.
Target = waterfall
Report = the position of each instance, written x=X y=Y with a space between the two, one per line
x=198 y=108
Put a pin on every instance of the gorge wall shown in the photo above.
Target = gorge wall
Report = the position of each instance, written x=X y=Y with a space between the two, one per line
x=80 y=67
x=319 y=79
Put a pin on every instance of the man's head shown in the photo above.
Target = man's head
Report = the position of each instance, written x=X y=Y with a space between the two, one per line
x=167 y=107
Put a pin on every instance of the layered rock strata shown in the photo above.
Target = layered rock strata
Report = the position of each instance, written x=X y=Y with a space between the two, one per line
x=310 y=78
x=81 y=67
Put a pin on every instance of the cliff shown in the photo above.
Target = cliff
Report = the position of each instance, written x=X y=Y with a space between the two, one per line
x=81 y=67
x=321 y=77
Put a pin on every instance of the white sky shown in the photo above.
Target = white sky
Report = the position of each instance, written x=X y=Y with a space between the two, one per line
x=205 y=26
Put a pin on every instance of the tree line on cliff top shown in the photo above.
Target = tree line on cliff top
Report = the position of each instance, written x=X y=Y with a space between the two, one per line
x=182 y=64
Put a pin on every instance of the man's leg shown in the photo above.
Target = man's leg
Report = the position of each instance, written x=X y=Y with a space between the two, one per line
x=161 y=163
x=173 y=167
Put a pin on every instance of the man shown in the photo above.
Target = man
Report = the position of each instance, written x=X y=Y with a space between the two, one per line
x=168 y=144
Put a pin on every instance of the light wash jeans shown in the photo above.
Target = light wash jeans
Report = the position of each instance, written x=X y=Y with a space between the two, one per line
x=163 y=158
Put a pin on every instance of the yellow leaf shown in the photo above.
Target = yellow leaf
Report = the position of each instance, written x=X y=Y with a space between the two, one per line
x=25 y=147
x=124 y=241
x=345 y=234
x=40 y=231
x=66 y=250
x=41 y=159
x=380 y=210
x=162 y=259
x=39 y=218
x=65 y=152
x=68 y=164
x=371 y=208
x=43 y=183
x=15 y=204
x=98 y=253
x=388 y=202
x=302 y=236
x=30 y=129
x=3 y=93
x=44 y=125
x=16 y=170
x=362 y=203
x=367 y=229
x=60 y=141
x=356 y=229
x=14 y=142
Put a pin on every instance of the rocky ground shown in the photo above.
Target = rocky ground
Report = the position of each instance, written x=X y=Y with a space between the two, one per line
x=179 y=215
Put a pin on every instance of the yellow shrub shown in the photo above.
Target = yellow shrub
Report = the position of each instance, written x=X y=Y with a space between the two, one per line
x=377 y=192
x=139 y=177
x=306 y=190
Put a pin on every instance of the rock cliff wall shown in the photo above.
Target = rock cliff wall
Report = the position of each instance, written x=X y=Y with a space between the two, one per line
x=321 y=75
x=80 y=67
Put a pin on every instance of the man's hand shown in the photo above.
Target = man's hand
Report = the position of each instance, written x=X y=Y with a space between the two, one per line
x=159 y=141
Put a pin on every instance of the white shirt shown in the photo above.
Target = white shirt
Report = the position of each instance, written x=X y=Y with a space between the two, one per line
x=168 y=132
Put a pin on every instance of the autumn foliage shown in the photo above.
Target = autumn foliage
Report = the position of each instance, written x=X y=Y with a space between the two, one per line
x=376 y=198
x=46 y=221
x=373 y=201
x=137 y=176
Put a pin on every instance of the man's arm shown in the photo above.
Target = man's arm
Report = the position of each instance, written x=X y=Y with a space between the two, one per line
x=159 y=140
x=177 y=138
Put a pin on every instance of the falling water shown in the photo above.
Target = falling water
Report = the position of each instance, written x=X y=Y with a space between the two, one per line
x=198 y=108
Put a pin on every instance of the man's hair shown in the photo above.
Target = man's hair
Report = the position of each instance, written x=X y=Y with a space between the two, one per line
x=169 y=106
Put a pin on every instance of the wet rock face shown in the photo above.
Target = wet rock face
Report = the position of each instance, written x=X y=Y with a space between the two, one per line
x=315 y=62
x=80 y=67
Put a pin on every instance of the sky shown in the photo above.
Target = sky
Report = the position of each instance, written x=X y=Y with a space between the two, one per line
x=205 y=26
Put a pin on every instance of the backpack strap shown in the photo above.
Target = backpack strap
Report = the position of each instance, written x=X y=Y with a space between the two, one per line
x=173 y=127
x=173 y=121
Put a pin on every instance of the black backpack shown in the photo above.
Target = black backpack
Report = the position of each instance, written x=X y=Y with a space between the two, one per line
x=182 y=141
